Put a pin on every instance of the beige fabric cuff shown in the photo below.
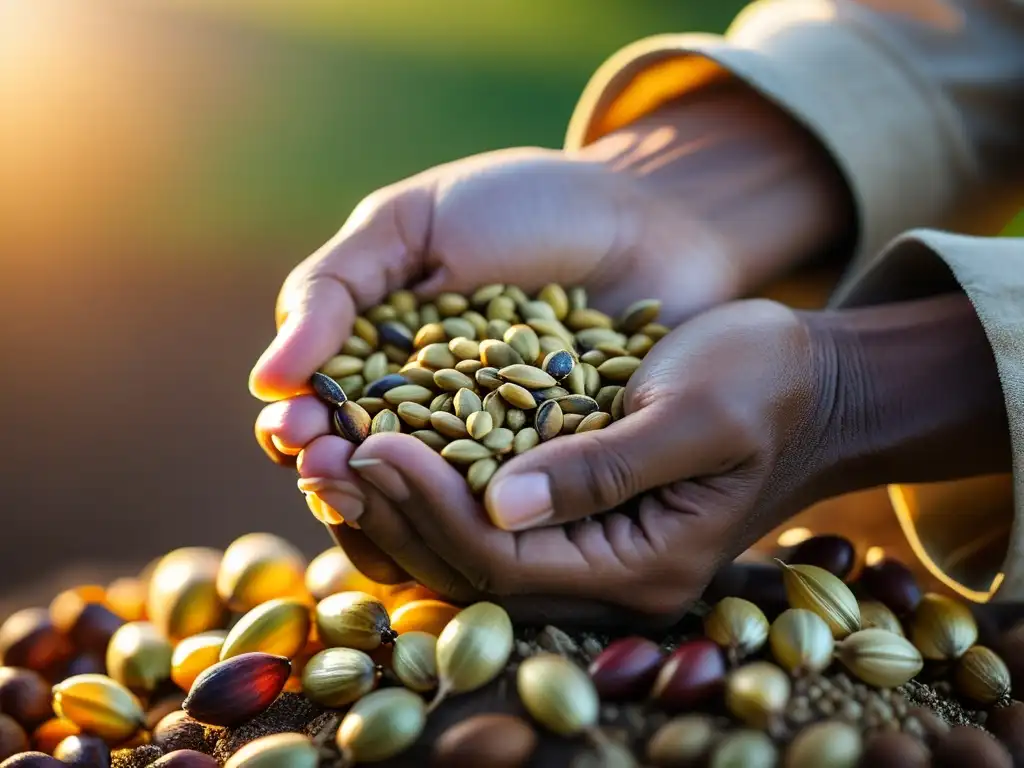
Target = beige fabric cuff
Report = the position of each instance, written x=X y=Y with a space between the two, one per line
x=898 y=146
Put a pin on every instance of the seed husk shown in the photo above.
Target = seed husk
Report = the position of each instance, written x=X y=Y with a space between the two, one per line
x=480 y=473
x=488 y=378
x=619 y=405
x=639 y=314
x=340 y=366
x=418 y=374
x=352 y=422
x=482 y=295
x=139 y=657
x=479 y=424
x=801 y=641
x=472 y=649
x=558 y=364
x=581 y=319
x=548 y=421
x=499 y=440
x=279 y=627
x=443 y=402
x=829 y=744
x=327 y=389
x=682 y=741
x=557 y=694
x=409 y=393
x=356 y=347
x=981 y=676
x=237 y=689
x=430 y=438
x=335 y=677
x=555 y=297
x=525 y=439
x=516 y=396
x=619 y=368
x=380 y=725
x=257 y=567
x=465 y=451
x=275 y=751
x=415 y=661
x=943 y=628
x=465 y=402
x=431 y=333
x=595 y=420
x=876 y=614
x=819 y=591
x=354 y=620
x=756 y=693
x=98 y=705
x=449 y=425
x=452 y=380
x=385 y=421
x=879 y=658
x=737 y=625
x=194 y=654
x=415 y=415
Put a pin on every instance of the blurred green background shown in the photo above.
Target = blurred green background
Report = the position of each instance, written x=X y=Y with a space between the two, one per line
x=162 y=167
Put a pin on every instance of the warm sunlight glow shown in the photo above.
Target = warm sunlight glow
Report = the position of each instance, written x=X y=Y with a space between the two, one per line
x=793 y=536
x=874 y=556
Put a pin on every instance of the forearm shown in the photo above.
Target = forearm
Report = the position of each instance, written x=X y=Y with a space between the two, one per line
x=917 y=395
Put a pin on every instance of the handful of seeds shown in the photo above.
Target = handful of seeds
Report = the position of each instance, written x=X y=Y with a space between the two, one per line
x=487 y=376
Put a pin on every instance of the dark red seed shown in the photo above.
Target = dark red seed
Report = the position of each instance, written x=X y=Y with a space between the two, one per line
x=25 y=696
x=833 y=553
x=384 y=385
x=890 y=582
x=89 y=625
x=894 y=750
x=693 y=673
x=185 y=758
x=83 y=752
x=13 y=738
x=32 y=760
x=29 y=639
x=327 y=389
x=1007 y=725
x=966 y=745
x=626 y=669
x=237 y=689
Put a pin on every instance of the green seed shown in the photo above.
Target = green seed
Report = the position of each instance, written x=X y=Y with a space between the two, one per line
x=352 y=386
x=451 y=304
x=523 y=339
x=451 y=380
x=501 y=308
x=479 y=424
x=639 y=314
x=278 y=749
x=464 y=349
x=385 y=421
x=595 y=420
x=408 y=393
x=356 y=347
x=577 y=297
x=395 y=354
x=372 y=405
x=414 y=660
x=591 y=337
x=552 y=328
x=340 y=366
x=537 y=310
x=457 y=326
x=524 y=440
x=430 y=438
x=496 y=329
x=336 y=677
x=610 y=350
x=364 y=329
x=495 y=406
x=499 y=440
x=483 y=295
x=478 y=321
x=498 y=354
x=429 y=314
x=595 y=357
x=480 y=473
x=549 y=344
x=436 y=356
x=639 y=345
x=580 y=404
x=449 y=425
x=548 y=420
x=488 y=378
x=410 y=319
x=380 y=725
x=465 y=452
x=352 y=422
x=417 y=374
x=443 y=402
x=432 y=333
x=575 y=382
x=554 y=296
x=515 y=419
x=466 y=401
x=591 y=380
x=468 y=367
x=415 y=415
x=656 y=331
x=619 y=405
x=403 y=300
x=515 y=293
x=527 y=376
x=606 y=396
x=581 y=319
x=517 y=396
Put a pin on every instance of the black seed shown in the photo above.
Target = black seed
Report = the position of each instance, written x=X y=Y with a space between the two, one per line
x=327 y=389
x=83 y=752
x=385 y=384
x=394 y=333
x=559 y=364
x=352 y=422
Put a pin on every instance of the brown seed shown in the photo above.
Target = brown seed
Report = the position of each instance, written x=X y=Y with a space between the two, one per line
x=480 y=473
x=493 y=740
x=376 y=367
x=523 y=339
x=464 y=349
x=554 y=296
x=482 y=295
x=457 y=326
x=408 y=393
x=548 y=420
x=432 y=333
x=436 y=357
x=501 y=308
x=87 y=622
x=415 y=415
x=527 y=376
x=465 y=402
x=449 y=425
x=499 y=440
x=580 y=319
x=479 y=424
x=619 y=405
x=352 y=422
x=580 y=404
x=372 y=405
x=25 y=696
x=639 y=345
x=515 y=419
x=364 y=329
x=892 y=749
x=516 y=396
x=442 y=402
x=451 y=304
x=430 y=438
x=594 y=357
x=694 y=672
x=1007 y=725
x=415 y=373
x=468 y=367
x=498 y=354
x=639 y=314
x=451 y=380
x=465 y=452
x=619 y=368
x=570 y=422
x=385 y=421
x=340 y=366
x=495 y=405
x=966 y=745
x=237 y=689
x=595 y=420
x=13 y=738
x=496 y=329
x=488 y=378
x=327 y=389
x=525 y=439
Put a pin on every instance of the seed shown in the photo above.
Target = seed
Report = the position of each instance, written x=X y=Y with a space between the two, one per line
x=465 y=452
x=1007 y=725
x=638 y=314
x=737 y=625
x=501 y=308
x=693 y=673
x=943 y=628
x=409 y=393
x=479 y=424
x=571 y=422
x=353 y=619
x=451 y=380
x=32 y=760
x=526 y=376
x=879 y=658
x=626 y=669
x=336 y=677
x=516 y=396
x=436 y=356
x=537 y=310
x=237 y=689
x=449 y=425
x=499 y=440
x=376 y=366
x=498 y=354
x=515 y=419
x=495 y=329
x=610 y=350
x=590 y=338
x=580 y=319
x=982 y=676
x=414 y=661
x=591 y=380
x=875 y=614
x=385 y=421
x=468 y=367
x=495 y=405
x=578 y=404
x=430 y=438
x=757 y=693
x=372 y=405
x=833 y=553
x=340 y=366
x=593 y=357
x=25 y=696
x=139 y=657
x=429 y=314
x=258 y=567
x=619 y=368
x=403 y=301
x=554 y=296
x=457 y=326
x=423 y=615
x=801 y=641
x=352 y=422
x=279 y=627
x=464 y=349
x=682 y=741
x=480 y=474
x=548 y=421
x=639 y=345
x=396 y=334
x=80 y=751
x=82 y=617
x=365 y=330
x=443 y=402
x=558 y=364
x=557 y=694
x=492 y=739
x=482 y=295
x=451 y=304
x=327 y=389
x=523 y=339
x=379 y=386
x=619 y=405
x=553 y=328
x=98 y=705
x=575 y=382
x=275 y=751
x=193 y=655
x=414 y=414
x=825 y=745
x=418 y=374
x=465 y=402
x=380 y=725
x=431 y=333
x=352 y=386
x=892 y=583
x=525 y=439
x=29 y=639
x=472 y=649
x=182 y=599
x=126 y=597
x=817 y=590
x=488 y=378
x=746 y=748
x=596 y=420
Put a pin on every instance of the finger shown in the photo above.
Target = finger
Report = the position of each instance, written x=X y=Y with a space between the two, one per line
x=288 y=426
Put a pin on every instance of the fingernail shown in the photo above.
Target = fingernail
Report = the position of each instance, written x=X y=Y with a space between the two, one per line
x=332 y=501
x=284 y=334
x=283 y=448
x=520 y=501
x=381 y=476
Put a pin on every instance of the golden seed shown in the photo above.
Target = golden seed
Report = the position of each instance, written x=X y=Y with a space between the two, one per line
x=756 y=693
x=193 y=655
x=403 y=300
x=443 y=402
x=554 y=296
x=465 y=452
x=639 y=345
x=415 y=661
x=558 y=694
x=331 y=571
x=580 y=319
x=515 y=419
x=352 y=422
x=98 y=705
x=591 y=380
x=501 y=308
x=352 y=386
x=981 y=676
x=465 y=402
x=473 y=648
x=575 y=382
x=595 y=357
x=619 y=405
x=280 y=749
x=517 y=396
x=523 y=339
x=548 y=420
x=418 y=374
x=432 y=333
x=376 y=367
x=571 y=422
x=464 y=349
x=827 y=744
x=431 y=439
x=415 y=415
x=279 y=627
x=537 y=310
x=656 y=331
x=451 y=304
x=372 y=405
x=449 y=425
x=451 y=380
x=367 y=331
x=581 y=404
x=496 y=329
x=182 y=597
x=577 y=296
x=488 y=378
x=408 y=393
x=380 y=725
x=879 y=658
x=139 y=657
x=479 y=424
x=527 y=376
x=820 y=591
x=356 y=347
x=683 y=740
x=385 y=421
x=499 y=440
x=495 y=405
x=592 y=421
x=638 y=314
x=525 y=439
x=498 y=354
x=483 y=295
x=429 y=314
x=801 y=641
x=353 y=619
x=737 y=625
x=340 y=366
x=335 y=677
x=877 y=615
x=436 y=356
x=943 y=628
x=480 y=473
x=468 y=367
x=619 y=368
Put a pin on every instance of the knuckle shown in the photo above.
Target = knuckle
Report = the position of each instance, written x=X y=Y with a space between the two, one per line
x=608 y=476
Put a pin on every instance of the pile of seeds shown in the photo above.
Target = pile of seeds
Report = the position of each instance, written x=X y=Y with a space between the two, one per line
x=252 y=657
x=487 y=376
